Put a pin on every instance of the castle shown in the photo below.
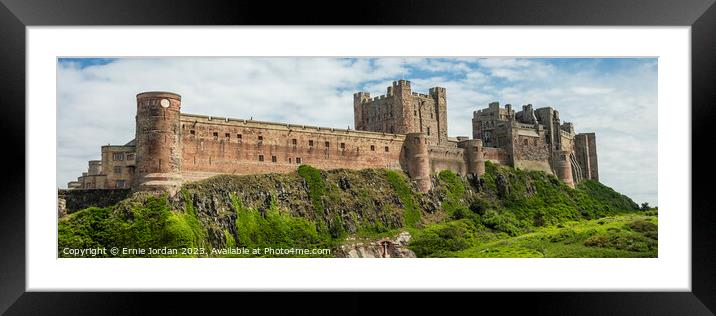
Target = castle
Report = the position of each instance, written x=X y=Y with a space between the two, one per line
x=401 y=130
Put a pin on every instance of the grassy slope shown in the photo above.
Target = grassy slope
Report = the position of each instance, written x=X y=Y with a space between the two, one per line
x=613 y=237
x=510 y=212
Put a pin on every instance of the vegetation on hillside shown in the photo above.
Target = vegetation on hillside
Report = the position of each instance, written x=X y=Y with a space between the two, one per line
x=507 y=212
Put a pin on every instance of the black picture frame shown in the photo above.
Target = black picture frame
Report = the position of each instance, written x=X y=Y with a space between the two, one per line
x=15 y=15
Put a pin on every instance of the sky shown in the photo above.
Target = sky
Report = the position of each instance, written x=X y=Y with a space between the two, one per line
x=614 y=97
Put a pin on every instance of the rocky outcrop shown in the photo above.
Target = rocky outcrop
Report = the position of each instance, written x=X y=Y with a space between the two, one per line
x=61 y=208
x=382 y=248
x=76 y=200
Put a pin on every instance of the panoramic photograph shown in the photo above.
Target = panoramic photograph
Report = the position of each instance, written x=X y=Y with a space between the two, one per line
x=360 y=157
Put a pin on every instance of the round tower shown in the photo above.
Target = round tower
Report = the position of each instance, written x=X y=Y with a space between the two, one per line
x=158 y=142
x=417 y=160
x=475 y=157
x=564 y=168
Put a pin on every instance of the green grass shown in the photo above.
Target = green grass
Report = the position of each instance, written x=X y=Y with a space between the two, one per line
x=275 y=229
x=146 y=222
x=610 y=237
x=316 y=186
x=411 y=213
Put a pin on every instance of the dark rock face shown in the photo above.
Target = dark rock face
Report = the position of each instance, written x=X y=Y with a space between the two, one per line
x=503 y=188
x=344 y=184
x=353 y=199
x=76 y=200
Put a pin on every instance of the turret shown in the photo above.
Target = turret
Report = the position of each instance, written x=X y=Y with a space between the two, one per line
x=417 y=160
x=403 y=107
x=158 y=142
x=358 y=99
x=564 y=168
x=440 y=96
x=474 y=157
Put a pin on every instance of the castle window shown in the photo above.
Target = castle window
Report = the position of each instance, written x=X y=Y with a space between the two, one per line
x=527 y=142
x=431 y=115
x=328 y=144
x=273 y=158
x=428 y=131
x=294 y=142
x=119 y=184
x=238 y=136
x=118 y=156
x=289 y=160
x=192 y=132
x=216 y=135
x=415 y=112
x=386 y=148
x=392 y=130
x=261 y=157
x=227 y=135
x=298 y=160
x=310 y=143
x=118 y=170
x=130 y=156
x=372 y=147
x=343 y=145
x=261 y=138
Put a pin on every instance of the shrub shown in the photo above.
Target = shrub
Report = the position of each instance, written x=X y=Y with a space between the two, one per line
x=643 y=226
x=440 y=239
x=597 y=241
x=504 y=222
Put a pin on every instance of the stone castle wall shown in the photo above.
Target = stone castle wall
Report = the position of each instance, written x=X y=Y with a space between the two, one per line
x=402 y=130
x=212 y=145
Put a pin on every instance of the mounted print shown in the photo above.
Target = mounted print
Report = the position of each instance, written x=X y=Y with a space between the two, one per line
x=360 y=157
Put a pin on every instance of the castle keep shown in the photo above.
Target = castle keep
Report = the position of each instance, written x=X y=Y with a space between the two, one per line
x=401 y=130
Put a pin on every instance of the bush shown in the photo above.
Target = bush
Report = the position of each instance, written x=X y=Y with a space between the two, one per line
x=643 y=226
x=597 y=241
x=440 y=239
x=504 y=222
x=142 y=222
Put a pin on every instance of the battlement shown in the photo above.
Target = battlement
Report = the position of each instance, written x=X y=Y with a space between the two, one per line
x=214 y=120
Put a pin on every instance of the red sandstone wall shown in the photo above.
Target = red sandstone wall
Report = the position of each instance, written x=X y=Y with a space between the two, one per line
x=496 y=155
x=215 y=147
x=447 y=158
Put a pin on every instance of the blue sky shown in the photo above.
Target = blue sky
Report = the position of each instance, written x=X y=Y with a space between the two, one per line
x=614 y=97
